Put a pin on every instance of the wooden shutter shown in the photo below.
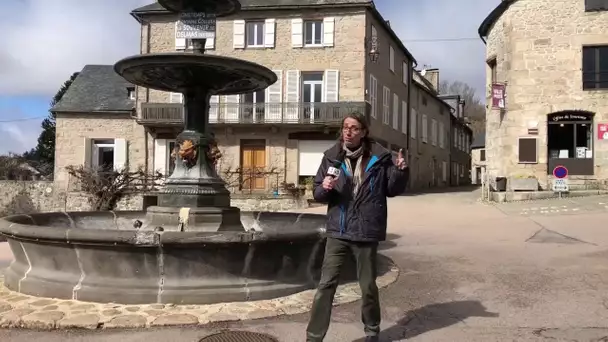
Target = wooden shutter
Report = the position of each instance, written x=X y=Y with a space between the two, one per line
x=328 y=31
x=292 y=95
x=160 y=156
x=527 y=150
x=274 y=96
x=269 y=29
x=238 y=38
x=297 y=32
x=213 y=108
x=331 y=85
x=120 y=154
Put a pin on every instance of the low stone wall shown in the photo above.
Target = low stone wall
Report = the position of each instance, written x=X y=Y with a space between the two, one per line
x=37 y=196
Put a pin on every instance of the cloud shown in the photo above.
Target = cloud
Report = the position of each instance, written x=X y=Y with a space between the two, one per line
x=44 y=42
x=432 y=20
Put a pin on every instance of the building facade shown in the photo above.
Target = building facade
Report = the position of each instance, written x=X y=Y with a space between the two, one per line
x=552 y=58
x=478 y=159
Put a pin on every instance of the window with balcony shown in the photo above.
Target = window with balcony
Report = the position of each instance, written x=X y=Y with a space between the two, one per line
x=313 y=32
x=254 y=33
x=312 y=94
x=254 y=106
x=596 y=5
x=595 y=67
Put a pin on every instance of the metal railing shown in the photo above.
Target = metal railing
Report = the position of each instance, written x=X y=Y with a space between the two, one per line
x=253 y=113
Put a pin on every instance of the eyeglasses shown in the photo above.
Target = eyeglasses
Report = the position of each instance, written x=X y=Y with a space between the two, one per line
x=354 y=130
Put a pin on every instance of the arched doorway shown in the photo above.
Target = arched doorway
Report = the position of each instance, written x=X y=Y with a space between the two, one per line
x=570 y=142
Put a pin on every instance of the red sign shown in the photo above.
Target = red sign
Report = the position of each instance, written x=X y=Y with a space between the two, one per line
x=498 y=96
x=560 y=172
x=602 y=131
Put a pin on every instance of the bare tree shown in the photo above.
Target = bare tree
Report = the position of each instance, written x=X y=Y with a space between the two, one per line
x=106 y=188
x=474 y=108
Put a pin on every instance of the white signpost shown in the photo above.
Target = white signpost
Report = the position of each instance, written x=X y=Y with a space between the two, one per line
x=195 y=25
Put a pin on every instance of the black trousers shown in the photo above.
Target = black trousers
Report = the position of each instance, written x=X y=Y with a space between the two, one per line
x=335 y=255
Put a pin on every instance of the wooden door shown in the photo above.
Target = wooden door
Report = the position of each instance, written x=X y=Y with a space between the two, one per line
x=253 y=161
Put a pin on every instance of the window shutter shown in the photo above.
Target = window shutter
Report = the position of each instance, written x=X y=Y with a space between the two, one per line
x=527 y=149
x=232 y=108
x=373 y=95
x=120 y=154
x=395 y=111
x=404 y=117
x=441 y=135
x=274 y=96
x=391 y=58
x=331 y=85
x=176 y=98
x=238 y=39
x=213 y=108
x=328 y=31
x=425 y=130
x=297 y=33
x=88 y=151
x=292 y=95
x=180 y=43
x=269 y=29
x=413 y=123
x=444 y=170
x=434 y=132
x=210 y=44
x=160 y=156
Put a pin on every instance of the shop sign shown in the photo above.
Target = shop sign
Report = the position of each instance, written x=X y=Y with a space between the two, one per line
x=498 y=96
x=602 y=131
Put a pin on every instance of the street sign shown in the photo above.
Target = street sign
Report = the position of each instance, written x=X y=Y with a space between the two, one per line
x=560 y=185
x=560 y=172
x=195 y=25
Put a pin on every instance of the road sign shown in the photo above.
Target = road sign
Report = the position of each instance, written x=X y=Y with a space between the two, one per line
x=560 y=172
x=560 y=185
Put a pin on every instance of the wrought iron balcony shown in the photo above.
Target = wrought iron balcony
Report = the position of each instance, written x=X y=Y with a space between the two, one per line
x=164 y=114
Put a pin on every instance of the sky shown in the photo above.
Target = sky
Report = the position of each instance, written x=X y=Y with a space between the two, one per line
x=43 y=42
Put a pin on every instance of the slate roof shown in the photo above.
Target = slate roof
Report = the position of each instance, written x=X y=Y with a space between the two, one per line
x=479 y=141
x=98 y=88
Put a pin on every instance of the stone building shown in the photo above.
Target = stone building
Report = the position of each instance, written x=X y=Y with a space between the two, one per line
x=331 y=57
x=552 y=58
x=478 y=158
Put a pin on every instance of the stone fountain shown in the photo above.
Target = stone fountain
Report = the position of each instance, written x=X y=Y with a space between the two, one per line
x=193 y=248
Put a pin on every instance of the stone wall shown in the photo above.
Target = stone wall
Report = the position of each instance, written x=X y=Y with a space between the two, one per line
x=39 y=196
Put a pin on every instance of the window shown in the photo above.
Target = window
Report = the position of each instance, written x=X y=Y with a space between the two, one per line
x=254 y=106
x=570 y=142
x=131 y=93
x=527 y=150
x=441 y=135
x=313 y=32
x=254 y=33
x=406 y=72
x=425 y=129
x=434 y=132
x=373 y=95
x=492 y=70
x=413 y=123
x=482 y=155
x=386 y=105
x=395 y=111
x=312 y=92
x=102 y=158
x=595 y=67
x=391 y=58
x=596 y=5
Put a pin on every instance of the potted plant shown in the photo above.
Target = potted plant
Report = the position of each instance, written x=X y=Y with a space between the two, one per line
x=523 y=183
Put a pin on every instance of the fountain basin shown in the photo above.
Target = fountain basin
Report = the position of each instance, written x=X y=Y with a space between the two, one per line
x=222 y=7
x=185 y=72
x=100 y=257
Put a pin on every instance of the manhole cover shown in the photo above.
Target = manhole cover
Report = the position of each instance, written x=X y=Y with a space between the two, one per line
x=239 y=336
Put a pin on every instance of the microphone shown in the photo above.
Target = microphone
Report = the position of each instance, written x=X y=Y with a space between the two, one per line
x=334 y=170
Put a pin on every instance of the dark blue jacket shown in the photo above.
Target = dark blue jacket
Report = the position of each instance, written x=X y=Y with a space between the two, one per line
x=362 y=217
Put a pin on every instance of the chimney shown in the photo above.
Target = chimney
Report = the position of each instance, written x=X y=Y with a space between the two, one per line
x=432 y=75
x=388 y=22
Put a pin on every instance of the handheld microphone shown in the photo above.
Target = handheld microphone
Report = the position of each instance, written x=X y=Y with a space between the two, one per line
x=334 y=170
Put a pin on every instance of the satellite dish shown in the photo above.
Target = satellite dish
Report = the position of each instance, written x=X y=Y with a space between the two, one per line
x=423 y=72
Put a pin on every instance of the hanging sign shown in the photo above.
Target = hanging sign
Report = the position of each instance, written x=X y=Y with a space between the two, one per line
x=498 y=96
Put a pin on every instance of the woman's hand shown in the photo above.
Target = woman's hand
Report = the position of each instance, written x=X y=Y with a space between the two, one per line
x=400 y=162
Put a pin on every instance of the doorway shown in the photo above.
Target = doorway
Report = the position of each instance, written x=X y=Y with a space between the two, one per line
x=253 y=165
x=312 y=94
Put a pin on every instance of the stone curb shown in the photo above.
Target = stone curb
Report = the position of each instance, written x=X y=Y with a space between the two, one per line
x=23 y=311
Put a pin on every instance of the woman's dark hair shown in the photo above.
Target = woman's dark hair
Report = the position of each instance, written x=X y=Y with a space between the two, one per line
x=366 y=141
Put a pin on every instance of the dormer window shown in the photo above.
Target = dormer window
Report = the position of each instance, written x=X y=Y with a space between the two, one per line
x=131 y=93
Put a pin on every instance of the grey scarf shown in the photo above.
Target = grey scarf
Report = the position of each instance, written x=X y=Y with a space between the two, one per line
x=357 y=173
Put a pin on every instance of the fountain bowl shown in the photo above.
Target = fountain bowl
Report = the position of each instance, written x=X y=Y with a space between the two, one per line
x=100 y=257
x=184 y=72
x=219 y=7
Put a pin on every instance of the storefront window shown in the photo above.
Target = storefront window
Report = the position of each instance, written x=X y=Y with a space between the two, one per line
x=570 y=142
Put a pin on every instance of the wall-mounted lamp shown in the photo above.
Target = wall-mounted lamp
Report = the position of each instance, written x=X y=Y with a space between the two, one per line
x=372 y=49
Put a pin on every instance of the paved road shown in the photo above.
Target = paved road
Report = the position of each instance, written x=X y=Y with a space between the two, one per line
x=470 y=272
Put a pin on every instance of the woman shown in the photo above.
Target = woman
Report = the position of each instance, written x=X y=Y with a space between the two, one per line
x=356 y=219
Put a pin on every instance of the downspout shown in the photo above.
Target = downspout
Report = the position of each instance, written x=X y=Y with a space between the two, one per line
x=409 y=114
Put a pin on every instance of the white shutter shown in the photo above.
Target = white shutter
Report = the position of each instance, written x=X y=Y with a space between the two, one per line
x=328 y=31
x=180 y=43
x=120 y=154
x=395 y=111
x=391 y=58
x=238 y=34
x=425 y=130
x=88 y=151
x=292 y=96
x=176 y=98
x=213 y=108
x=274 y=96
x=373 y=95
x=331 y=85
x=413 y=123
x=386 y=105
x=210 y=44
x=160 y=156
x=404 y=117
x=231 y=108
x=269 y=28
x=297 y=32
